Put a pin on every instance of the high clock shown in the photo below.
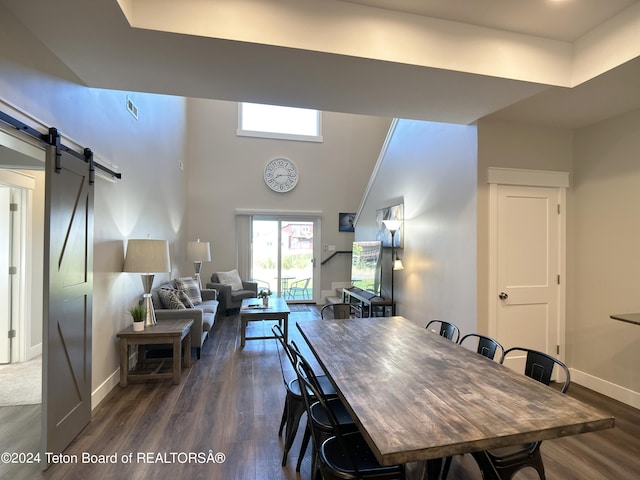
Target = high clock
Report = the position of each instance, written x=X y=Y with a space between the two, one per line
x=281 y=175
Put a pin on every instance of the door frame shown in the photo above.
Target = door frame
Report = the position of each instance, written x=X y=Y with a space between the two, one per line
x=528 y=178
x=244 y=219
x=22 y=186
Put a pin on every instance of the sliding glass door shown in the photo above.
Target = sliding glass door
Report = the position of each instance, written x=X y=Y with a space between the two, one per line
x=283 y=256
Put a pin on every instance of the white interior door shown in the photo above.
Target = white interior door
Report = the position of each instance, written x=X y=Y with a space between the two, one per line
x=529 y=246
x=5 y=279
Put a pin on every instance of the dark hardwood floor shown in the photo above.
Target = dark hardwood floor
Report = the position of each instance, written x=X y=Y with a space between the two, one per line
x=230 y=402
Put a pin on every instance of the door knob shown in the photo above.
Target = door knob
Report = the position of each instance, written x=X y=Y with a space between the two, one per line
x=503 y=296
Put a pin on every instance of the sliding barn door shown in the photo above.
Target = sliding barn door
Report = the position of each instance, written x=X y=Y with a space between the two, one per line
x=68 y=278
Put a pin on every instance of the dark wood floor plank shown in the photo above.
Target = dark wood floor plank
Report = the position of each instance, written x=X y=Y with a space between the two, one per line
x=231 y=400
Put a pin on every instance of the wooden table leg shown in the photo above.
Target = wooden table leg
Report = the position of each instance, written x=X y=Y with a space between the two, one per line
x=243 y=332
x=124 y=361
x=177 y=367
x=187 y=350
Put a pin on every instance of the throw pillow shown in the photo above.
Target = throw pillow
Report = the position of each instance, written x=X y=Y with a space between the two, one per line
x=170 y=299
x=184 y=298
x=231 y=278
x=191 y=287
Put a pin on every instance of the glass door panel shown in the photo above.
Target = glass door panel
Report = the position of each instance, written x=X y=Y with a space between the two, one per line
x=283 y=257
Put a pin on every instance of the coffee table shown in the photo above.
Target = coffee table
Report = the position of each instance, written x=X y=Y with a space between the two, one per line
x=171 y=332
x=253 y=310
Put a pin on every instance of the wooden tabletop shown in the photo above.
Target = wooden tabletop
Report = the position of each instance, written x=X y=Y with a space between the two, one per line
x=277 y=305
x=627 y=317
x=417 y=396
x=164 y=328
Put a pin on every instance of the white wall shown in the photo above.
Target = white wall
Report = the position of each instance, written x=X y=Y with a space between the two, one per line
x=226 y=173
x=605 y=245
x=431 y=167
x=150 y=198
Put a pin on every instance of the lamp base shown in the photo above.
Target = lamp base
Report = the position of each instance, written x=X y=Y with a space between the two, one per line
x=198 y=266
x=150 y=319
x=147 y=283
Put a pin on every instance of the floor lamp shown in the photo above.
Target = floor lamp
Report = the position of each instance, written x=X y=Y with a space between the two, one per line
x=396 y=263
x=198 y=252
x=147 y=257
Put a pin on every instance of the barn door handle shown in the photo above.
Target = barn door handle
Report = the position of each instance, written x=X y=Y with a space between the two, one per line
x=503 y=296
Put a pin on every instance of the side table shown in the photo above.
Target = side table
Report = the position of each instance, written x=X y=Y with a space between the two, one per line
x=171 y=332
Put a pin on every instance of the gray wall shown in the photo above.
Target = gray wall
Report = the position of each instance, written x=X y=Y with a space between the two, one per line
x=431 y=167
x=226 y=173
x=606 y=256
x=151 y=197
x=603 y=228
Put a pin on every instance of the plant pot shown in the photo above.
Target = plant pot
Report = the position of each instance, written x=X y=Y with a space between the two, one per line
x=138 y=326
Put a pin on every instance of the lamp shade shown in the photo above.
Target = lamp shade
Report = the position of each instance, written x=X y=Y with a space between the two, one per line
x=198 y=251
x=392 y=225
x=147 y=256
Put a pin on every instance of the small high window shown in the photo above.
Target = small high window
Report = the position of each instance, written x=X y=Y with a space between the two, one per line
x=285 y=123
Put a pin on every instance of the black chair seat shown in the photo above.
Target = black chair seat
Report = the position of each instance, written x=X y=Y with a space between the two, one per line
x=319 y=415
x=341 y=464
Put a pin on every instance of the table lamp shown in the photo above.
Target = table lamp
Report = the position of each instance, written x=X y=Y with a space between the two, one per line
x=198 y=252
x=147 y=257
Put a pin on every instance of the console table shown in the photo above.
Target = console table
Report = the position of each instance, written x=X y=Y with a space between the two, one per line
x=372 y=305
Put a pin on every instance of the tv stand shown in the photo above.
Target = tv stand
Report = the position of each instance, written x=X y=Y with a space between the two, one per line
x=372 y=305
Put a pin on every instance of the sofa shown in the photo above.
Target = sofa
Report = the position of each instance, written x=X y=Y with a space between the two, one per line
x=182 y=298
x=232 y=290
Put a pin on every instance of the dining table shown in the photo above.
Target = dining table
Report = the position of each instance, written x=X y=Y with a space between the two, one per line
x=416 y=396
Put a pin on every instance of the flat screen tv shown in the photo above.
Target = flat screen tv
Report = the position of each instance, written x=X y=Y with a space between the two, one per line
x=365 y=266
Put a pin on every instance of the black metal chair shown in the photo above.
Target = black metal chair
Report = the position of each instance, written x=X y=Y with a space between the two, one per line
x=447 y=330
x=485 y=346
x=343 y=455
x=294 y=403
x=341 y=310
x=505 y=462
x=317 y=421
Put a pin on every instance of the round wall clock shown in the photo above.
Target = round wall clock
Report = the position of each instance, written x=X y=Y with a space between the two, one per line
x=281 y=175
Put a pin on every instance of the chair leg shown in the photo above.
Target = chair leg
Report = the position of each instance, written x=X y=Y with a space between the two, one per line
x=295 y=409
x=303 y=446
x=283 y=421
x=445 y=470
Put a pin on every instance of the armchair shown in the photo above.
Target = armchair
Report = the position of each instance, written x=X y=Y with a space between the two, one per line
x=232 y=290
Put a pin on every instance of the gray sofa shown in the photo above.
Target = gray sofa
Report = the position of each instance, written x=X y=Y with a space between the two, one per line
x=203 y=314
x=232 y=299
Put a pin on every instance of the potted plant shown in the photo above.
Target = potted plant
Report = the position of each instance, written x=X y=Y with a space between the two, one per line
x=264 y=294
x=138 y=313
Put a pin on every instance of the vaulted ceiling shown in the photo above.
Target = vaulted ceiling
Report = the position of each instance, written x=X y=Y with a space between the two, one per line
x=564 y=63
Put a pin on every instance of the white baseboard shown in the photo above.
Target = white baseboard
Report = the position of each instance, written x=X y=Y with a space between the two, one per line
x=604 y=387
x=100 y=393
x=34 y=351
x=113 y=380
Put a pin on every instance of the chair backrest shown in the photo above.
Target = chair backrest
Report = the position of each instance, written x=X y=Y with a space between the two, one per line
x=447 y=330
x=539 y=366
x=312 y=394
x=279 y=336
x=485 y=346
x=341 y=310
